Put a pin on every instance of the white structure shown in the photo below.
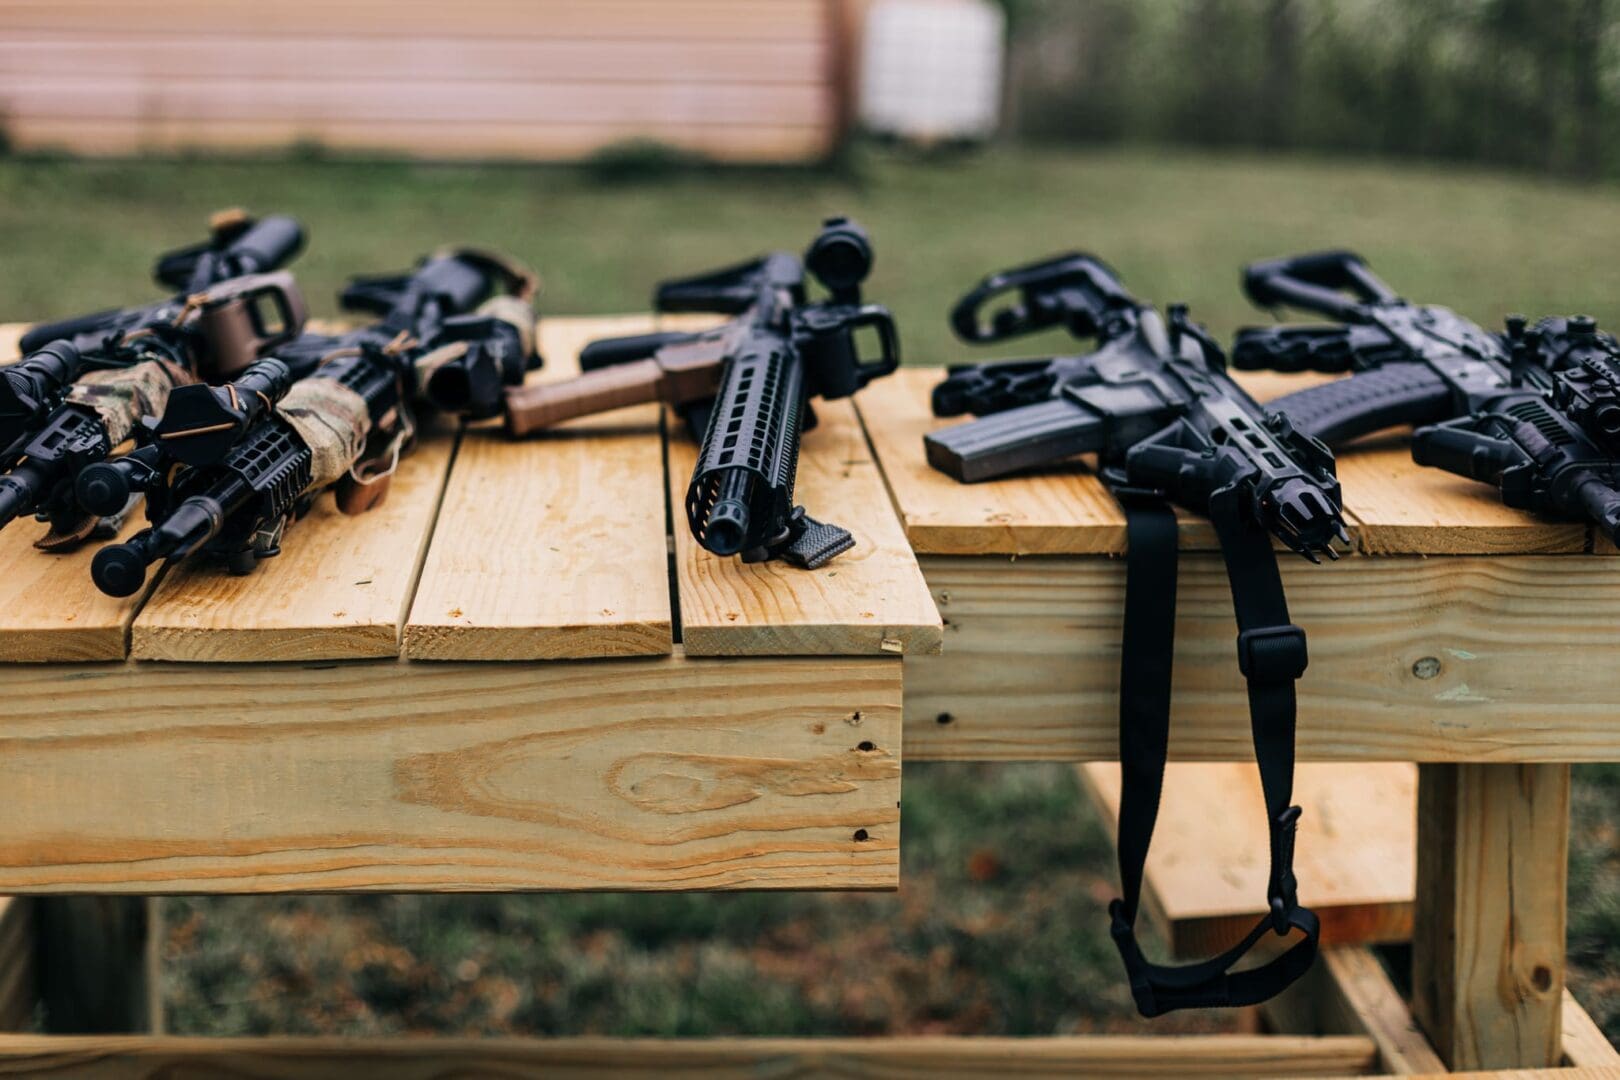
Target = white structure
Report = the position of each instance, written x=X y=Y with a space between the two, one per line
x=931 y=69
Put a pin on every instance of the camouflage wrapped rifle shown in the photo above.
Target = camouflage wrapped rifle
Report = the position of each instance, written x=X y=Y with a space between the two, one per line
x=459 y=303
x=63 y=408
x=344 y=427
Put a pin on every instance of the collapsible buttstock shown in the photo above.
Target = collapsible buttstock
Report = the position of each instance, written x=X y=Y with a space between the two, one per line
x=1075 y=290
x=622 y=350
x=1332 y=283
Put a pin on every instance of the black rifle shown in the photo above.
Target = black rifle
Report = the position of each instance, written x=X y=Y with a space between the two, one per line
x=69 y=406
x=238 y=247
x=1535 y=412
x=450 y=299
x=233 y=467
x=745 y=386
x=1154 y=402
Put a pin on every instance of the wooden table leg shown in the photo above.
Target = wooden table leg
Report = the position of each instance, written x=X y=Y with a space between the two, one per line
x=96 y=958
x=1488 y=935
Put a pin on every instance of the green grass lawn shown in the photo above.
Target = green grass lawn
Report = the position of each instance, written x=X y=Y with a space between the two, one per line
x=999 y=925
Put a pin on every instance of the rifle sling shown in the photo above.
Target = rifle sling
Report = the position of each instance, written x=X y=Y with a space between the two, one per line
x=1271 y=656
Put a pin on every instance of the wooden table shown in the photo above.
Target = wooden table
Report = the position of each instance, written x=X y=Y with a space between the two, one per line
x=1461 y=635
x=518 y=674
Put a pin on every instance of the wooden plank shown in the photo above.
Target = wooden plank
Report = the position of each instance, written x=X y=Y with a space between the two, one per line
x=339 y=590
x=1394 y=506
x=1348 y=993
x=156 y=56
x=50 y=611
x=1461 y=659
x=1200 y=1056
x=18 y=994
x=1488 y=940
x=871 y=599
x=1530 y=1074
x=1065 y=511
x=553 y=547
x=10 y=340
x=652 y=774
x=743 y=20
x=96 y=963
x=528 y=141
x=1585 y=1045
x=1206 y=872
x=317 y=100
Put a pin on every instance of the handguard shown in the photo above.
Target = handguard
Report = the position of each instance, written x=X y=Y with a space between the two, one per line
x=743 y=387
x=31 y=388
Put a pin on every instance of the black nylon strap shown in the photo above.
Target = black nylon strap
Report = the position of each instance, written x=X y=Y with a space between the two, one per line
x=1271 y=656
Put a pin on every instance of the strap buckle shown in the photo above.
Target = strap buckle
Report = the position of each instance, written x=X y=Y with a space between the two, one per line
x=1283 y=889
x=1272 y=654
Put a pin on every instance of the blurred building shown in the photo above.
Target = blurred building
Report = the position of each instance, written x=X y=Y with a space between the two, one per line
x=736 y=80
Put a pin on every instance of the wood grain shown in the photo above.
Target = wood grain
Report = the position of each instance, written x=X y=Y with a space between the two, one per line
x=1488 y=938
x=115 y=1058
x=447 y=57
x=1585 y=1045
x=1459 y=659
x=870 y=600
x=738 y=20
x=50 y=610
x=1206 y=872
x=663 y=773
x=552 y=547
x=339 y=590
x=1064 y=511
x=1349 y=993
x=726 y=78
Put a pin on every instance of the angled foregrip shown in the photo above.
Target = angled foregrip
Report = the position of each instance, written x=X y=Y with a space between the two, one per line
x=542 y=405
x=1390 y=396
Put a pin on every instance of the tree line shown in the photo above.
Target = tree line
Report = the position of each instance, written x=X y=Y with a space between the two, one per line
x=1528 y=84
